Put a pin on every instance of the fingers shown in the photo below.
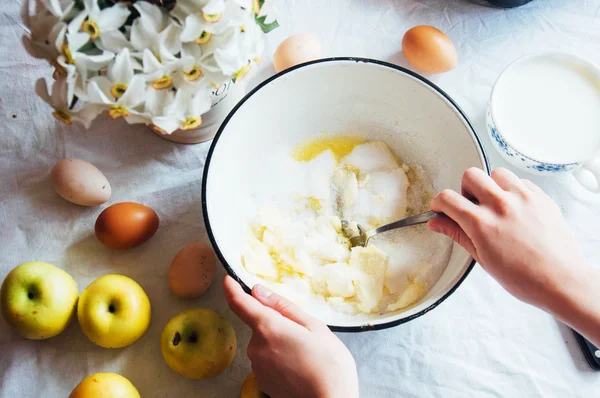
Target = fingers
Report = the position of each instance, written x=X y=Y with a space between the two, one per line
x=284 y=306
x=476 y=183
x=455 y=206
x=246 y=307
x=531 y=185
x=507 y=180
x=451 y=229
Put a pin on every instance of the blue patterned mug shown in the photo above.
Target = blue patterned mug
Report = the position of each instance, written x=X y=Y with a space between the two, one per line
x=544 y=116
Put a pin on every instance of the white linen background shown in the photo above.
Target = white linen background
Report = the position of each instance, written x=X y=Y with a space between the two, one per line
x=480 y=342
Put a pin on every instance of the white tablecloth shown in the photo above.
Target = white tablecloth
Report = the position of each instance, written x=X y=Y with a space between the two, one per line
x=480 y=342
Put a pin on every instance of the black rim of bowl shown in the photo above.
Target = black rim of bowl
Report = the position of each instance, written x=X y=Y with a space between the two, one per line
x=211 y=236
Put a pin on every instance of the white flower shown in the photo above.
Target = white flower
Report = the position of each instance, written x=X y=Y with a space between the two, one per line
x=159 y=74
x=62 y=9
x=234 y=58
x=60 y=100
x=185 y=112
x=119 y=74
x=154 y=30
x=43 y=31
x=157 y=100
x=196 y=70
x=102 y=26
x=74 y=64
x=202 y=20
x=99 y=92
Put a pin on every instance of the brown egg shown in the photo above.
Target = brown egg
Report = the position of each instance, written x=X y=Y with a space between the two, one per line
x=429 y=49
x=192 y=270
x=295 y=50
x=125 y=225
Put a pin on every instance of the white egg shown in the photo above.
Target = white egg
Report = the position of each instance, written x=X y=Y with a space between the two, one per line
x=295 y=50
x=80 y=182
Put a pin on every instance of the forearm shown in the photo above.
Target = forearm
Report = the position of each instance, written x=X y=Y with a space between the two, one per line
x=577 y=302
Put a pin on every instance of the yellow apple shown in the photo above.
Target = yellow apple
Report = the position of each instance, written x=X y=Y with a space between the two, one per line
x=250 y=388
x=113 y=311
x=198 y=343
x=38 y=299
x=105 y=385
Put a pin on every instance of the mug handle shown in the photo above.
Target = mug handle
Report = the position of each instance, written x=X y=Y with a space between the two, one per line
x=593 y=167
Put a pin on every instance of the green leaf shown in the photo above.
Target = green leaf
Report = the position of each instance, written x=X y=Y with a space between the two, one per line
x=260 y=3
x=266 y=28
x=88 y=47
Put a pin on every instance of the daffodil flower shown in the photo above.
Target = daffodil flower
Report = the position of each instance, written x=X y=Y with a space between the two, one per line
x=185 y=112
x=235 y=58
x=202 y=21
x=159 y=74
x=76 y=65
x=119 y=74
x=154 y=31
x=43 y=29
x=196 y=70
x=59 y=100
x=102 y=26
x=99 y=92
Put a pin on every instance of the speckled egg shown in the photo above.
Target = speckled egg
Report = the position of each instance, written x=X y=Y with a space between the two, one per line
x=192 y=270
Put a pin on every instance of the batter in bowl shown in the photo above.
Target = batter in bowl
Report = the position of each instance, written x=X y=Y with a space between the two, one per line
x=301 y=252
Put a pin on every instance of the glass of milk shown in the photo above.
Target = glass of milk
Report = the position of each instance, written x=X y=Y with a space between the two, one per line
x=544 y=116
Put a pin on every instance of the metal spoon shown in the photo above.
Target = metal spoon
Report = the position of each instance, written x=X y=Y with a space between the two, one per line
x=359 y=236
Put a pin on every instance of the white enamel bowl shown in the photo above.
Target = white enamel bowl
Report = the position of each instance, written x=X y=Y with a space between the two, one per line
x=378 y=100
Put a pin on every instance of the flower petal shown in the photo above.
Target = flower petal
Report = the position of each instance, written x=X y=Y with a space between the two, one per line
x=201 y=103
x=59 y=96
x=86 y=114
x=41 y=89
x=141 y=38
x=76 y=40
x=91 y=6
x=57 y=36
x=112 y=18
x=156 y=100
x=134 y=95
x=193 y=28
x=214 y=7
x=151 y=63
x=168 y=123
x=121 y=70
x=169 y=39
x=94 y=62
x=112 y=41
x=75 y=24
x=25 y=14
x=137 y=117
x=96 y=95
x=153 y=18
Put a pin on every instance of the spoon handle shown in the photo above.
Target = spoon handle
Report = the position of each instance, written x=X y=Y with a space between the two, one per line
x=418 y=219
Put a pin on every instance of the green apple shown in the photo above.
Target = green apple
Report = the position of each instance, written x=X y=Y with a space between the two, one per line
x=38 y=299
x=198 y=343
x=114 y=311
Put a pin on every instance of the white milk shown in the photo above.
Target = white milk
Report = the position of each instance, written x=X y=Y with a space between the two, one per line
x=548 y=108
